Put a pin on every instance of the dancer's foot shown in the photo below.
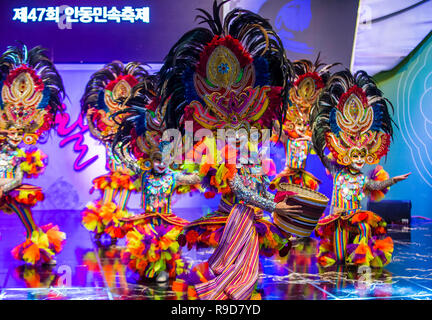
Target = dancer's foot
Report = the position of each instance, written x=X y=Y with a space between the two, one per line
x=162 y=277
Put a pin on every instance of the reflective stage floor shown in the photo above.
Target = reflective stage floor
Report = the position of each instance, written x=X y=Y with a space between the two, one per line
x=84 y=271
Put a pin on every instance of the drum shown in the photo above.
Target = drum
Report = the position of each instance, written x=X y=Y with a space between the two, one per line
x=312 y=204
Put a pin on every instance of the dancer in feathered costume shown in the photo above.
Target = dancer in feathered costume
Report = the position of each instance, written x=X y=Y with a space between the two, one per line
x=351 y=119
x=296 y=137
x=101 y=99
x=31 y=95
x=230 y=76
x=152 y=249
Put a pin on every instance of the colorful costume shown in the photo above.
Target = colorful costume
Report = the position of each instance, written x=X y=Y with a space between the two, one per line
x=31 y=94
x=103 y=95
x=152 y=248
x=352 y=120
x=207 y=231
x=231 y=76
x=310 y=79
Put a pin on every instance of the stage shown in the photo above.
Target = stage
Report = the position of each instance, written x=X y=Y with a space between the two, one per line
x=86 y=272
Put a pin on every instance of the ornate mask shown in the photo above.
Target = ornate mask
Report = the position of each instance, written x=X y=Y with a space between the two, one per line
x=355 y=137
x=24 y=108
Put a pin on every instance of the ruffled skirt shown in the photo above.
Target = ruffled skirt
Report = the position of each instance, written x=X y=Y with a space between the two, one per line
x=104 y=216
x=151 y=245
x=100 y=218
x=42 y=243
x=113 y=180
x=26 y=195
x=356 y=238
x=42 y=246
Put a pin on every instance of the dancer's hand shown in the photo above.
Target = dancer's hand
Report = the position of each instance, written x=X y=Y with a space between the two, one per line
x=91 y=112
x=401 y=177
x=1 y=192
x=282 y=208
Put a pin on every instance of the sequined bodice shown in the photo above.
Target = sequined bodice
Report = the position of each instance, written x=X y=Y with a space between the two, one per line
x=157 y=191
x=297 y=153
x=348 y=189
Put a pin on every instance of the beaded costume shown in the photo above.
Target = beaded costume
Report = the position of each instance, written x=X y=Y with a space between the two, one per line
x=101 y=99
x=230 y=76
x=31 y=95
x=151 y=248
x=352 y=120
x=310 y=79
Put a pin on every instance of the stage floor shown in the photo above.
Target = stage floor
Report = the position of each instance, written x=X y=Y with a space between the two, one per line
x=84 y=271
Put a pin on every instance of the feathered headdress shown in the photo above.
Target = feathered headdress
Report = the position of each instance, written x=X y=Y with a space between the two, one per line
x=309 y=80
x=108 y=87
x=141 y=126
x=233 y=74
x=31 y=91
x=350 y=116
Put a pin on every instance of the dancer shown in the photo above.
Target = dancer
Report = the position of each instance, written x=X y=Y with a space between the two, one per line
x=101 y=99
x=152 y=249
x=230 y=76
x=352 y=120
x=31 y=95
x=310 y=79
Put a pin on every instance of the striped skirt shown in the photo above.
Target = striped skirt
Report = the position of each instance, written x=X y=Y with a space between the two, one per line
x=235 y=262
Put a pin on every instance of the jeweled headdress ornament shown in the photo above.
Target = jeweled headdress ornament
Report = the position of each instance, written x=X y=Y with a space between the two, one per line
x=233 y=74
x=351 y=116
x=108 y=87
x=31 y=92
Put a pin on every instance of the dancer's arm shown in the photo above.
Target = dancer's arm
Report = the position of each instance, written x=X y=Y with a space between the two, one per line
x=253 y=198
x=188 y=179
x=379 y=185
